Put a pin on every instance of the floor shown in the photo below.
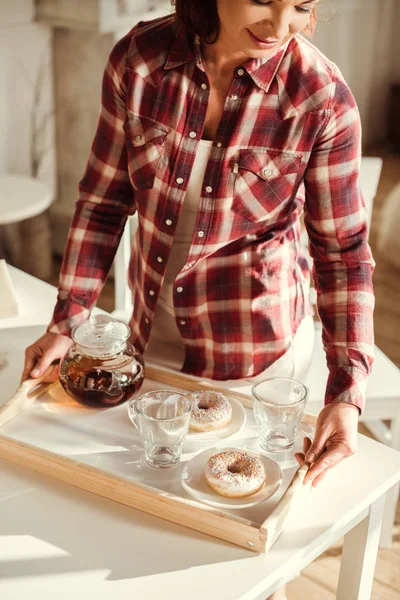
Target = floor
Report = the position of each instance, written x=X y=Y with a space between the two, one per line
x=318 y=581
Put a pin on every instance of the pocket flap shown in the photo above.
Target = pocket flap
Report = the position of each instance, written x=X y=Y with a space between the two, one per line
x=268 y=165
x=142 y=130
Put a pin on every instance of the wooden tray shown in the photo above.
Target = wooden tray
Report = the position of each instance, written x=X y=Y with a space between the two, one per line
x=178 y=509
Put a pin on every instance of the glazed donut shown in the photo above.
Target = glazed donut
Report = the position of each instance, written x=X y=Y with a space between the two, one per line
x=211 y=410
x=235 y=473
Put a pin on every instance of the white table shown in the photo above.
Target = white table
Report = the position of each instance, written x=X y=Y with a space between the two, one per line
x=36 y=300
x=383 y=402
x=57 y=541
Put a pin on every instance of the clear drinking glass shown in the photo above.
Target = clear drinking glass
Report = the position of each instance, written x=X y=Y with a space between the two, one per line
x=162 y=418
x=278 y=405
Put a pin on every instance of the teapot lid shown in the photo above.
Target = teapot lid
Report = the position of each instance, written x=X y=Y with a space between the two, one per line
x=101 y=335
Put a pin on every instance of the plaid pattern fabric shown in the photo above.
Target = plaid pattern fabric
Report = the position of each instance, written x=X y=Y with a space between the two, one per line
x=288 y=141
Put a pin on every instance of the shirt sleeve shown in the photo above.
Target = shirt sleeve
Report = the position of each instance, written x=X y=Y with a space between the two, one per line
x=336 y=222
x=104 y=202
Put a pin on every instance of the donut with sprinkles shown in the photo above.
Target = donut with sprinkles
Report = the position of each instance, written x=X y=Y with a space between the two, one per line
x=211 y=410
x=235 y=473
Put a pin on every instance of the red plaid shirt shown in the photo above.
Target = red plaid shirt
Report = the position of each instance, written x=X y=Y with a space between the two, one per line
x=287 y=121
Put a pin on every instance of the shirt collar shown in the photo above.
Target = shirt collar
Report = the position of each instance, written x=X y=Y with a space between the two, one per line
x=264 y=70
x=261 y=70
x=181 y=51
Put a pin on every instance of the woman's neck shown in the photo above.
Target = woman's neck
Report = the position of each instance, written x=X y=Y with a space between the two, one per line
x=221 y=60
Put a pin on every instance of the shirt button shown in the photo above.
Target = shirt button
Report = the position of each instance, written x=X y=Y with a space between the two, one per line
x=182 y=322
x=179 y=290
x=200 y=233
x=168 y=222
x=159 y=259
x=179 y=180
x=192 y=134
x=267 y=172
x=138 y=138
x=235 y=97
x=204 y=86
x=240 y=72
x=146 y=321
x=219 y=145
x=151 y=292
x=209 y=189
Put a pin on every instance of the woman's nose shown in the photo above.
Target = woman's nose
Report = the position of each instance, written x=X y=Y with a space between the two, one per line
x=280 y=26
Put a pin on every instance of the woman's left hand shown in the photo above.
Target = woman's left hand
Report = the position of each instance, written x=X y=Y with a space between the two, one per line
x=335 y=439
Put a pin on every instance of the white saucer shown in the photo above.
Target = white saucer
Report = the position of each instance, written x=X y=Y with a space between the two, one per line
x=195 y=484
x=236 y=423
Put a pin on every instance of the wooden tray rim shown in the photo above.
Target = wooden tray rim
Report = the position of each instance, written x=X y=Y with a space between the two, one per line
x=166 y=505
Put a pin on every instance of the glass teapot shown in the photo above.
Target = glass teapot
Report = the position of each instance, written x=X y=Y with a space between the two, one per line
x=101 y=369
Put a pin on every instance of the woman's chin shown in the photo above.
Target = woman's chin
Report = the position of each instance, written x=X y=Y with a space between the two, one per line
x=254 y=53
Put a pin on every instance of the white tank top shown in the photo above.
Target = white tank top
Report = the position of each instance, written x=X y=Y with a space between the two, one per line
x=164 y=328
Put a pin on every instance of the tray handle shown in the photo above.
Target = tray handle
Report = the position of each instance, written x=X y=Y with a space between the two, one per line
x=24 y=396
x=274 y=524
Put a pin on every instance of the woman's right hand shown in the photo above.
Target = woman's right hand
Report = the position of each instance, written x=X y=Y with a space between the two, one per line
x=42 y=353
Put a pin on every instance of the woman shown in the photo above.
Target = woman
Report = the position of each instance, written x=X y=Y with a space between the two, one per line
x=212 y=120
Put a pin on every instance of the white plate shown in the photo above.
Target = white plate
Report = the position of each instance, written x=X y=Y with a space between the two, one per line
x=236 y=423
x=195 y=484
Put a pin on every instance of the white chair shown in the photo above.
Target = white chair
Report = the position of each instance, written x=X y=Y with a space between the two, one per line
x=370 y=173
x=22 y=197
x=29 y=247
x=122 y=293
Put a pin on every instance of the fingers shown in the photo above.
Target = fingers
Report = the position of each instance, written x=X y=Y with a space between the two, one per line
x=30 y=361
x=320 y=478
x=40 y=355
x=318 y=445
x=52 y=373
x=43 y=363
x=36 y=365
x=327 y=460
x=307 y=443
x=300 y=456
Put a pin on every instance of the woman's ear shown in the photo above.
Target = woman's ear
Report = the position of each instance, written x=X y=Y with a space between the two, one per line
x=309 y=30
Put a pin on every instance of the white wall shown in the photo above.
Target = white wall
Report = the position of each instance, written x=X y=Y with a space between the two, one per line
x=357 y=36
x=78 y=94
x=14 y=12
x=26 y=93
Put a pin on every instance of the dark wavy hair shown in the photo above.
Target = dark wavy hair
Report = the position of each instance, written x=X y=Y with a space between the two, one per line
x=201 y=17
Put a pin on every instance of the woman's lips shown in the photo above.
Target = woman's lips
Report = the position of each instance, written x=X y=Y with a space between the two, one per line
x=262 y=43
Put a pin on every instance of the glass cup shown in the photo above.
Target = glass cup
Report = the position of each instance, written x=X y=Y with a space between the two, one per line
x=278 y=405
x=162 y=418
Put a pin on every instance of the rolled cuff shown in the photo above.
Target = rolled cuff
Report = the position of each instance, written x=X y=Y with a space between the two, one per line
x=69 y=311
x=349 y=385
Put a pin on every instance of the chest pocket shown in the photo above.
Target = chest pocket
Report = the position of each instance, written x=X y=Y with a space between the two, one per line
x=144 y=140
x=265 y=182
